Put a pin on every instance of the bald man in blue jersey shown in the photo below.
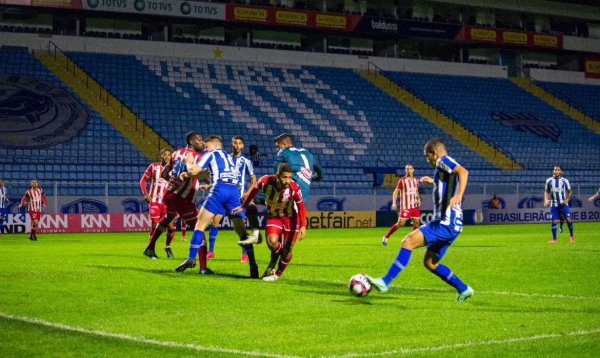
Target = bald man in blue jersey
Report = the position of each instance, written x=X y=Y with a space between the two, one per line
x=449 y=184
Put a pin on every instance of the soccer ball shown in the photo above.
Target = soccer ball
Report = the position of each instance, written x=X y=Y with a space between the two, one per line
x=359 y=286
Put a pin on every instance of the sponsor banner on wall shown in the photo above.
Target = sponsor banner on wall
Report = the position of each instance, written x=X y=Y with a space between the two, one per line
x=388 y=218
x=339 y=219
x=383 y=26
x=178 y=8
x=510 y=37
x=592 y=66
x=291 y=17
x=69 y=223
x=65 y=4
x=532 y=216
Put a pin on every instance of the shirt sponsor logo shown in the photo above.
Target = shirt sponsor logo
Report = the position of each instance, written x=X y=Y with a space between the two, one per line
x=36 y=114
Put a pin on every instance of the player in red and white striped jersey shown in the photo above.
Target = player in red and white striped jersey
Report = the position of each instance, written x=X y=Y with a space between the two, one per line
x=181 y=194
x=155 y=196
x=410 y=200
x=35 y=198
x=286 y=215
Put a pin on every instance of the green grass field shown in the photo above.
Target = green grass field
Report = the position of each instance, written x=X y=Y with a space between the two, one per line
x=96 y=295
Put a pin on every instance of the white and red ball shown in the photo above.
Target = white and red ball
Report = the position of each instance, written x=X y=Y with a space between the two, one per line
x=359 y=286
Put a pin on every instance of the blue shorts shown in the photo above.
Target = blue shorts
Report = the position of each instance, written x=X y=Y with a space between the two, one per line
x=555 y=211
x=3 y=214
x=223 y=198
x=438 y=237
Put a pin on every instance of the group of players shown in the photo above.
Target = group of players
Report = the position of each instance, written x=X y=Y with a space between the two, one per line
x=204 y=165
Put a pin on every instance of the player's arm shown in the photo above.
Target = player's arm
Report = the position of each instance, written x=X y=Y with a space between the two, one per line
x=463 y=177
x=426 y=180
x=24 y=200
x=302 y=217
x=251 y=194
x=547 y=195
x=591 y=198
x=143 y=182
x=252 y=183
x=44 y=199
x=193 y=169
x=395 y=198
x=318 y=172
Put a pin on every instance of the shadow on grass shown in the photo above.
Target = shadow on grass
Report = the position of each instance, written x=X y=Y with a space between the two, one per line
x=167 y=272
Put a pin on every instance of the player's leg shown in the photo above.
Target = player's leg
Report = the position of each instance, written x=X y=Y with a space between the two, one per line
x=212 y=236
x=432 y=263
x=35 y=217
x=198 y=241
x=415 y=216
x=183 y=227
x=567 y=215
x=289 y=239
x=555 y=216
x=411 y=241
x=401 y=221
x=273 y=231
x=170 y=237
x=240 y=228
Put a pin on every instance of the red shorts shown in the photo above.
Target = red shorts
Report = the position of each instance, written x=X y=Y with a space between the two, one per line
x=157 y=212
x=177 y=205
x=35 y=215
x=409 y=213
x=286 y=225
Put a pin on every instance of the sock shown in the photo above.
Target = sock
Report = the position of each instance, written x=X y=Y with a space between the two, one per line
x=393 y=229
x=570 y=225
x=446 y=274
x=283 y=263
x=184 y=228
x=244 y=251
x=195 y=243
x=170 y=235
x=275 y=255
x=553 y=231
x=397 y=266
x=160 y=228
x=202 y=256
x=252 y=261
x=212 y=237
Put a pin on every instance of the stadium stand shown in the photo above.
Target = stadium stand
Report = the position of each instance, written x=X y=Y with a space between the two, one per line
x=100 y=153
x=584 y=97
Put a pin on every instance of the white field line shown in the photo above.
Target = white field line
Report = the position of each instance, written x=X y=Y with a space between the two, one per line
x=469 y=344
x=195 y=347
x=139 y=339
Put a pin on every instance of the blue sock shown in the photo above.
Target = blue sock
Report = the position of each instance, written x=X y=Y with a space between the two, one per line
x=244 y=252
x=195 y=243
x=446 y=274
x=553 y=231
x=397 y=266
x=212 y=236
x=570 y=225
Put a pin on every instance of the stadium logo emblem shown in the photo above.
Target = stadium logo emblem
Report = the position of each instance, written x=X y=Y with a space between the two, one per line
x=92 y=3
x=36 y=114
x=330 y=204
x=185 y=8
x=85 y=206
x=132 y=205
x=528 y=122
x=531 y=202
x=139 y=5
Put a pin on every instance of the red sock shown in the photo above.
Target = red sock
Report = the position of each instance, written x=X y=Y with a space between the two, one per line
x=202 y=256
x=283 y=264
x=393 y=229
x=170 y=236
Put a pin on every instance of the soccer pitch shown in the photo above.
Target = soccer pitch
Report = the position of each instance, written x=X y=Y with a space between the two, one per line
x=96 y=295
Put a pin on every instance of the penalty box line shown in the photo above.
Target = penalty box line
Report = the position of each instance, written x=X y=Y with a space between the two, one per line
x=470 y=344
x=138 y=339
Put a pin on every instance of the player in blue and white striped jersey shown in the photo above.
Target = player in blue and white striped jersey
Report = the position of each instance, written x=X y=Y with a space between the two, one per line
x=246 y=171
x=449 y=182
x=4 y=201
x=222 y=198
x=556 y=196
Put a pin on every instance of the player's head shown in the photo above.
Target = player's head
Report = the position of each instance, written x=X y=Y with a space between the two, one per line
x=557 y=172
x=165 y=155
x=433 y=150
x=213 y=142
x=194 y=139
x=34 y=183
x=1 y=183
x=284 y=140
x=409 y=170
x=237 y=144
x=284 y=173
